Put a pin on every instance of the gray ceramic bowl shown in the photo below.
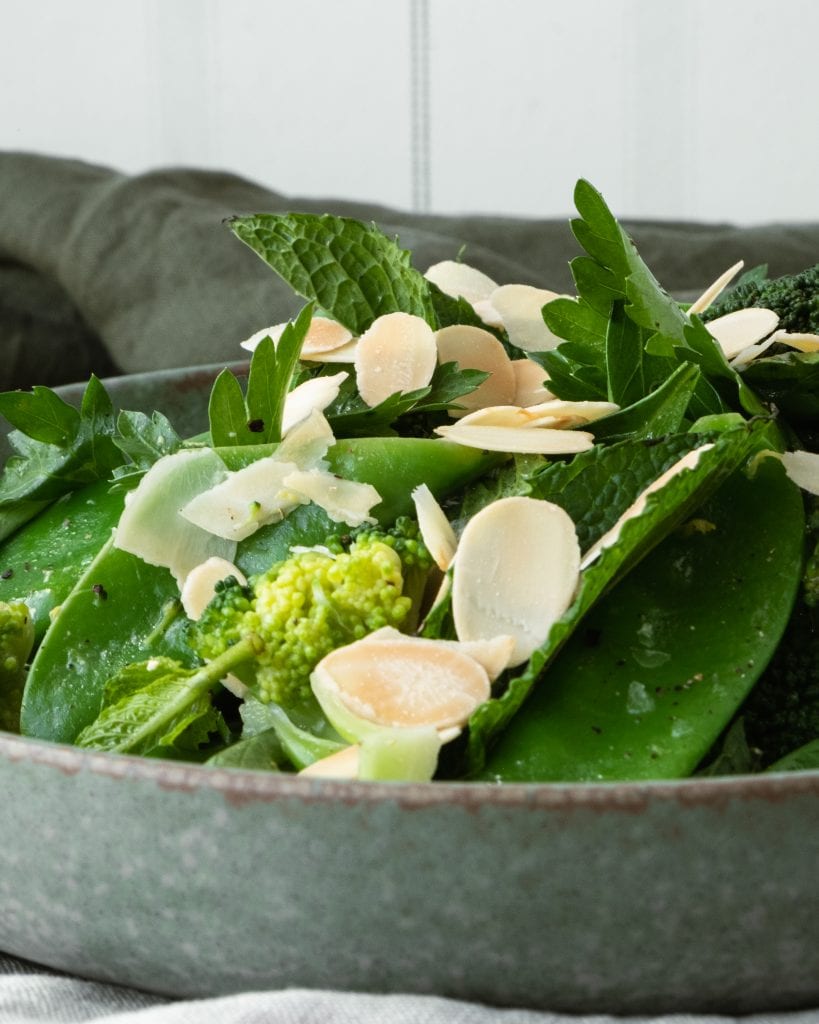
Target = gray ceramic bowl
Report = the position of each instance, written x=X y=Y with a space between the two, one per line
x=619 y=898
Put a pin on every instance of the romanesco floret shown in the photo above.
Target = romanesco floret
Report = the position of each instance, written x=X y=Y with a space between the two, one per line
x=16 y=641
x=288 y=618
x=795 y=297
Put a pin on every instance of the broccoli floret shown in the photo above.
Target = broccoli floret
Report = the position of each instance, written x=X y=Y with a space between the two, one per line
x=288 y=618
x=795 y=297
x=16 y=642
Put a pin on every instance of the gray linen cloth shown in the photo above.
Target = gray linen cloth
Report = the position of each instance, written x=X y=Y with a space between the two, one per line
x=29 y=995
x=108 y=272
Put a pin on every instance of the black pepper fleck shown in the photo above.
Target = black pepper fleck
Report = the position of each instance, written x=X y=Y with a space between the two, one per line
x=6 y=574
x=256 y=426
x=100 y=591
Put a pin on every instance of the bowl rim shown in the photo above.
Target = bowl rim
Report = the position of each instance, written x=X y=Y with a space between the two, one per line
x=241 y=785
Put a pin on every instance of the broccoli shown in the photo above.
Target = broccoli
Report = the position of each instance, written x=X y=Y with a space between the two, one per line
x=782 y=711
x=795 y=297
x=288 y=618
x=16 y=642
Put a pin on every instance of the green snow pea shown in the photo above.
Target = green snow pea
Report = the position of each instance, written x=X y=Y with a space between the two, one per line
x=39 y=564
x=395 y=466
x=657 y=669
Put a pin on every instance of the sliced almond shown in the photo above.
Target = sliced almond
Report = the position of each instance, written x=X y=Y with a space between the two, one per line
x=343 y=764
x=406 y=682
x=637 y=507
x=397 y=353
x=493 y=654
x=530 y=383
x=199 y=586
x=487 y=312
x=473 y=348
x=497 y=416
x=714 y=290
x=323 y=335
x=736 y=331
x=520 y=440
x=436 y=530
x=515 y=573
x=747 y=355
x=344 y=501
x=802 y=342
x=306 y=442
x=461 y=281
x=344 y=354
x=803 y=469
x=561 y=413
x=316 y=393
x=520 y=308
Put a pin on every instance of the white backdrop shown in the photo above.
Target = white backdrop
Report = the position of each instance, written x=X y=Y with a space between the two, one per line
x=682 y=109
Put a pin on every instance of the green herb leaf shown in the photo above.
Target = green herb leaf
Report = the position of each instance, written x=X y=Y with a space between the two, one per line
x=236 y=419
x=41 y=471
x=144 y=439
x=350 y=269
x=660 y=412
x=149 y=706
x=262 y=752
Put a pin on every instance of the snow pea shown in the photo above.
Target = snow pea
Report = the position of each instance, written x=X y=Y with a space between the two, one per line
x=40 y=563
x=658 y=668
x=115 y=614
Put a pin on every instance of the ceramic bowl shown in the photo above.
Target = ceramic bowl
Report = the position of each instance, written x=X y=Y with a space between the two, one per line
x=614 y=898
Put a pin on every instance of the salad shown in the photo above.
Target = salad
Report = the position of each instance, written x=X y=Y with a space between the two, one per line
x=441 y=528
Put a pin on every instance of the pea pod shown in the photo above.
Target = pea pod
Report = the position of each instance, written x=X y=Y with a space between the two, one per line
x=40 y=564
x=115 y=615
x=659 y=666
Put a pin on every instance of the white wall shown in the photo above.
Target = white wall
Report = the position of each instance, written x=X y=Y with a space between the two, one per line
x=695 y=109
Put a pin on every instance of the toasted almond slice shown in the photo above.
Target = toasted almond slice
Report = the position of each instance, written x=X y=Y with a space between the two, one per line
x=344 y=354
x=520 y=440
x=405 y=682
x=316 y=393
x=323 y=335
x=344 y=501
x=199 y=585
x=343 y=764
x=520 y=308
x=561 y=413
x=396 y=353
x=714 y=290
x=497 y=416
x=530 y=383
x=436 y=530
x=803 y=469
x=637 y=507
x=736 y=331
x=461 y=280
x=307 y=442
x=492 y=654
x=802 y=342
x=473 y=348
x=515 y=573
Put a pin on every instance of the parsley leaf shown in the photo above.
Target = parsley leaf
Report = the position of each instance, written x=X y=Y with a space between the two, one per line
x=57 y=449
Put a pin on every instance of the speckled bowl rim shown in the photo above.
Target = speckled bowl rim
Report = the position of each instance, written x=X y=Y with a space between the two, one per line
x=240 y=786
x=243 y=786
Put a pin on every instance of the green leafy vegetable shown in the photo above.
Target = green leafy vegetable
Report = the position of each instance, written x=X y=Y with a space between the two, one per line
x=350 y=269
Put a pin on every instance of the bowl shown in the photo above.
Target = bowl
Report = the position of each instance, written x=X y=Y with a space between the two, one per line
x=697 y=895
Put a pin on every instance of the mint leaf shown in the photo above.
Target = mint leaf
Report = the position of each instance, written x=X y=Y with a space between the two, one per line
x=350 y=269
x=149 y=706
x=262 y=752
x=256 y=418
